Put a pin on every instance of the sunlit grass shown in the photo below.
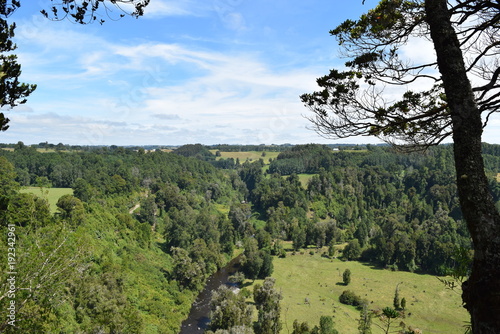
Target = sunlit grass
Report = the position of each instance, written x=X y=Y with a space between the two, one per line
x=51 y=194
x=250 y=155
x=311 y=286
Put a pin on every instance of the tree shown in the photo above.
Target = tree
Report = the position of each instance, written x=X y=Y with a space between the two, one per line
x=229 y=309
x=148 y=210
x=88 y=11
x=352 y=102
x=12 y=92
x=346 y=277
x=8 y=186
x=365 y=321
x=388 y=318
x=353 y=250
x=187 y=273
x=396 y=301
x=326 y=325
x=25 y=209
x=51 y=257
x=252 y=260
x=71 y=208
x=267 y=264
x=267 y=300
x=300 y=328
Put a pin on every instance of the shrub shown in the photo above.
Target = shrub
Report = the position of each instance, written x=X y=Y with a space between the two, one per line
x=350 y=298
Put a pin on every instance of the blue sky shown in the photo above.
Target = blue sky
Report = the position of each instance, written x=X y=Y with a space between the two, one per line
x=213 y=71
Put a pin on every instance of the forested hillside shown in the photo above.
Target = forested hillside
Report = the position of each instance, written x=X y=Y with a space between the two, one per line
x=130 y=249
x=113 y=259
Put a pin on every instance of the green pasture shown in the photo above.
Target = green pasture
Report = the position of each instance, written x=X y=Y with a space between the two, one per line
x=304 y=179
x=311 y=285
x=51 y=194
x=250 y=155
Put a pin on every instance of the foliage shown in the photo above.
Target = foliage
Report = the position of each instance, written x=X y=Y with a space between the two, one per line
x=256 y=263
x=197 y=151
x=308 y=158
x=365 y=320
x=326 y=325
x=353 y=250
x=71 y=209
x=388 y=318
x=350 y=298
x=351 y=101
x=267 y=300
x=12 y=91
x=228 y=310
x=98 y=252
x=191 y=215
x=85 y=12
x=456 y=101
x=346 y=276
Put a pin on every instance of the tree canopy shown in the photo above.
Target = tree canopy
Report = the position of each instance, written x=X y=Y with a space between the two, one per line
x=456 y=101
x=88 y=11
x=360 y=100
x=12 y=92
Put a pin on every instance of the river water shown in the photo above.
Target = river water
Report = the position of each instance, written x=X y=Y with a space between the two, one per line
x=198 y=319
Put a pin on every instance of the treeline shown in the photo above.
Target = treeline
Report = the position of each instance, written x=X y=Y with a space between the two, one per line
x=305 y=159
x=248 y=148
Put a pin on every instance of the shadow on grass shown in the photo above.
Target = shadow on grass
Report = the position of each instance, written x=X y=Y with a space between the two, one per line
x=246 y=284
x=378 y=266
x=373 y=265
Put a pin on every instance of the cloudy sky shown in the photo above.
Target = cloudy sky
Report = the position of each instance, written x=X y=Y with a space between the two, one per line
x=189 y=71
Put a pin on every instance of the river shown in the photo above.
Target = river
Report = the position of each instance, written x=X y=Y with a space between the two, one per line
x=198 y=319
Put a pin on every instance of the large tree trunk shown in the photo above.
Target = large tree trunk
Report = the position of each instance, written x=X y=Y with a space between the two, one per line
x=481 y=293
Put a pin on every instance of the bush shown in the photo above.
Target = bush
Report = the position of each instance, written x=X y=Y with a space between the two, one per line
x=352 y=251
x=346 y=277
x=350 y=298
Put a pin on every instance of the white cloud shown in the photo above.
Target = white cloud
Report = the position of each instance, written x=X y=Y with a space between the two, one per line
x=93 y=92
x=163 y=8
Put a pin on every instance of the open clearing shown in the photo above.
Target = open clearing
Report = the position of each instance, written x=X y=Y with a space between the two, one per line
x=51 y=194
x=311 y=286
x=250 y=155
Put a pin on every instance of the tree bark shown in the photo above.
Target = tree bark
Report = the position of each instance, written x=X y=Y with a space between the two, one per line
x=481 y=293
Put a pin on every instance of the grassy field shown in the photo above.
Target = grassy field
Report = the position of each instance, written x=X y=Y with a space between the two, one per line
x=51 y=194
x=301 y=277
x=250 y=155
x=304 y=178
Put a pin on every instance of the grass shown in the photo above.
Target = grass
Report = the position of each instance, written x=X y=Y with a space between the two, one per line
x=304 y=179
x=51 y=194
x=301 y=277
x=222 y=208
x=250 y=155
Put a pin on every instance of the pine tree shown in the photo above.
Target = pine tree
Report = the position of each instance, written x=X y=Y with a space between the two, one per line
x=396 y=301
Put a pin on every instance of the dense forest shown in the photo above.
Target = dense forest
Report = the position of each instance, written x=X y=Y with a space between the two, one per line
x=129 y=250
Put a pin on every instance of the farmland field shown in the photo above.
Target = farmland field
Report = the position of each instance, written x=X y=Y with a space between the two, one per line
x=51 y=194
x=311 y=285
x=250 y=155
